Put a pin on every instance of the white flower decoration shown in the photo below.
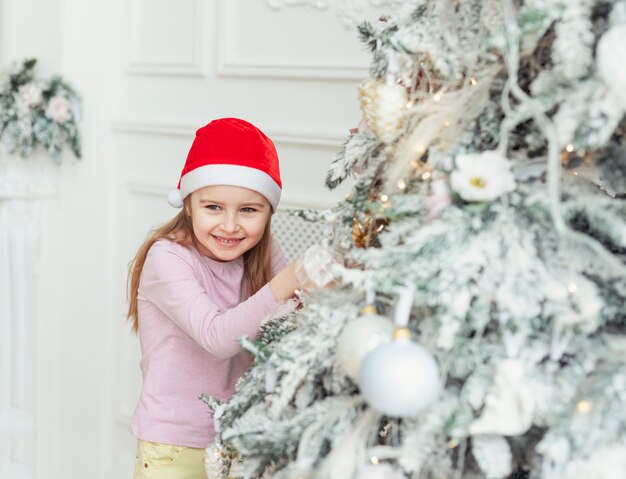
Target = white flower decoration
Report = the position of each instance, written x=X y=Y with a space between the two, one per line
x=509 y=405
x=38 y=112
x=30 y=94
x=58 y=109
x=482 y=176
x=611 y=61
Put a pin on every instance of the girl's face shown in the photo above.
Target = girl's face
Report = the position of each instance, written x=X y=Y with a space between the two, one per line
x=228 y=220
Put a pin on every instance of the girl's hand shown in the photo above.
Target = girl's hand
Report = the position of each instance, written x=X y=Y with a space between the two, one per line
x=284 y=284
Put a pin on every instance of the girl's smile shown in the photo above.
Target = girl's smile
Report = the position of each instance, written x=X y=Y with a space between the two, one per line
x=228 y=220
x=227 y=241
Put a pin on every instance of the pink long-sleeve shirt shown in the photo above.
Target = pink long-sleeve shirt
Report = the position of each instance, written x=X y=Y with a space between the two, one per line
x=190 y=321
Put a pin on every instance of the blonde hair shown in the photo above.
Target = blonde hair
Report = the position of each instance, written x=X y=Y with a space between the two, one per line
x=257 y=261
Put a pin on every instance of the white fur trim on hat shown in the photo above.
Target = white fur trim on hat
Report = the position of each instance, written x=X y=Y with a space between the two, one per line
x=231 y=175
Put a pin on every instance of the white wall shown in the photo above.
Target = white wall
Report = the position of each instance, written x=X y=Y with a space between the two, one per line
x=151 y=72
x=75 y=317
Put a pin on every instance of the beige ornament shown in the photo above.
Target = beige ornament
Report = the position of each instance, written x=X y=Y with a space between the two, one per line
x=383 y=105
x=217 y=460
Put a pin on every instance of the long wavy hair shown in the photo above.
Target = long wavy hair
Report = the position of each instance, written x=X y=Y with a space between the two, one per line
x=257 y=260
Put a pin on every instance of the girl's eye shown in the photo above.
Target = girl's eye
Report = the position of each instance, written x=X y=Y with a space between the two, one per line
x=212 y=207
x=247 y=210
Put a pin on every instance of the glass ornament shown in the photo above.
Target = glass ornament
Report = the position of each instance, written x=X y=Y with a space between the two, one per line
x=217 y=460
x=399 y=378
x=359 y=337
x=314 y=269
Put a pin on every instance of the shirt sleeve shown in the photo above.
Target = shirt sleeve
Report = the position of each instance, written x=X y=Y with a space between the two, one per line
x=168 y=280
x=278 y=257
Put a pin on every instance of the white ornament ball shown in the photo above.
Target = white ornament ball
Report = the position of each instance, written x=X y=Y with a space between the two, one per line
x=611 y=60
x=358 y=338
x=399 y=378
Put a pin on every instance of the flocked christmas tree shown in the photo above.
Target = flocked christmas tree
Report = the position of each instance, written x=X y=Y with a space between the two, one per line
x=488 y=222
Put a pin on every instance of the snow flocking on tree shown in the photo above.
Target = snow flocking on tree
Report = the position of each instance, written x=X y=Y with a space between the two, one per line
x=488 y=218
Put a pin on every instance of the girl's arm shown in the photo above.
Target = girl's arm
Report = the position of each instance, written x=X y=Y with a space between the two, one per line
x=169 y=282
x=284 y=284
x=278 y=257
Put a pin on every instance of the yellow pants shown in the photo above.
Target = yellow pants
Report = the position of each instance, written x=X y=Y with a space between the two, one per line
x=163 y=461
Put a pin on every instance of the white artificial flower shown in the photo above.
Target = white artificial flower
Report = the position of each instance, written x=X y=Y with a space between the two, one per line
x=509 y=405
x=58 y=109
x=482 y=177
x=611 y=61
x=30 y=94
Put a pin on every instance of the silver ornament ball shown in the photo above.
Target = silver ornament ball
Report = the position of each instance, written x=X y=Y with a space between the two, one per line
x=358 y=338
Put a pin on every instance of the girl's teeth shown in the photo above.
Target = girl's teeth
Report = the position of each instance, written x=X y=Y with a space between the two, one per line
x=228 y=241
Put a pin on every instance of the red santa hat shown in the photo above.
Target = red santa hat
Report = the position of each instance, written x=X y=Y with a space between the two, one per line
x=233 y=152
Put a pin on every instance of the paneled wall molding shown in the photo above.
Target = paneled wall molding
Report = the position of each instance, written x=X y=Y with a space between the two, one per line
x=186 y=61
x=151 y=127
x=280 y=134
x=228 y=66
x=277 y=4
x=350 y=12
x=257 y=64
x=168 y=69
x=141 y=187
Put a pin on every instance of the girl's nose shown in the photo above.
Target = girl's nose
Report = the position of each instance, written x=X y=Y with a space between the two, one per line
x=230 y=224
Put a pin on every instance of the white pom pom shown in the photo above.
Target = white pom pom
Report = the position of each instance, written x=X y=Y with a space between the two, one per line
x=174 y=198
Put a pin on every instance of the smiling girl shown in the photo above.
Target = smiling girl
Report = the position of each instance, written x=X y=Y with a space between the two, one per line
x=197 y=285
